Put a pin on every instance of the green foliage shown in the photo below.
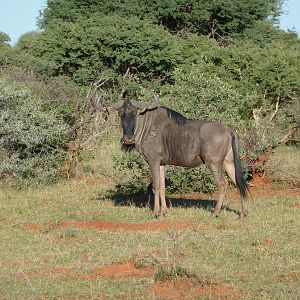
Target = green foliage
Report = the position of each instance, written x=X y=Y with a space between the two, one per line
x=4 y=39
x=284 y=165
x=31 y=138
x=186 y=180
x=26 y=41
x=172 y=273
x=221 y=60
x=215 y=18
x=264 y=33
x=269 y=72
x=6 y=52
x=198 y=96
x=86 y=49
x=130 y=172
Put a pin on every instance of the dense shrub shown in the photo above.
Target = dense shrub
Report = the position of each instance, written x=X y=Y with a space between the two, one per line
x=31 y=138
x=109 y=44
x=130 y=172
x=199 y=96
x=185 y=180
x=218 y=17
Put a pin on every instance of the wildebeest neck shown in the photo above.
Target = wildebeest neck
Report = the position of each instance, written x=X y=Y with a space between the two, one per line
x=178 y=118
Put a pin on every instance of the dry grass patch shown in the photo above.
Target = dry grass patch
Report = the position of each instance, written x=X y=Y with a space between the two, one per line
x=52 y=247
x=284 y=165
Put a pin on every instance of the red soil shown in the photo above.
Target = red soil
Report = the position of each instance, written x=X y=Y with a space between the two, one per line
x=288 y=277
x=177 y=289
x=113 y=226
x=119 y=226
x=264 y=190
x=183 y=289
x=121 y=271
x=261 y=186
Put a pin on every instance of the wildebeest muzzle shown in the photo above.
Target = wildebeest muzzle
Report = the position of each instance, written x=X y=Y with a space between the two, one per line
x=128 y=141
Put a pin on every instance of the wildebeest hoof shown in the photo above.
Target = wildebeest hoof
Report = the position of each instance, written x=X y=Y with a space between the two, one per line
x=155 y=215
x=214 y=215
x=163 y=213
x=242 y=215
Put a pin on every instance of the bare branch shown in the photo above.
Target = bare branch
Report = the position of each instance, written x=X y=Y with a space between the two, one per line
x=288 y=136
x=90 y=139
x=256 y=117
x=276 y=110
x=127 y=73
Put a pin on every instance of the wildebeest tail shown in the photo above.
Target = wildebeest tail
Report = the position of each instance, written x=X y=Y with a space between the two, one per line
x=239 y=178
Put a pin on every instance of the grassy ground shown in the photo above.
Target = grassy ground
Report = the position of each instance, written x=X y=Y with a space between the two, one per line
x=45 y=252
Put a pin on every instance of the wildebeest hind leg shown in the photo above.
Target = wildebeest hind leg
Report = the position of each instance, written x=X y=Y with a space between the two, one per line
x=216 y=171
x=162 y=187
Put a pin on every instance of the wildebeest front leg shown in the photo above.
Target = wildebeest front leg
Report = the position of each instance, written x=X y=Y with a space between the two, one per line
x=162 y=187
x=155 y=171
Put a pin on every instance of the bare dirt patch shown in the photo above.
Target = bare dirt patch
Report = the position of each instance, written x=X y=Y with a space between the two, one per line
x=178 y=288
x=119 y=226
x=121 y=271
x=288 y=277
x=183 y=289
x=262 y=186
x=113 y=226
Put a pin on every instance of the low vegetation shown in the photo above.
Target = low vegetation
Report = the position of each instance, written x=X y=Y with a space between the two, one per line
x=64 y=241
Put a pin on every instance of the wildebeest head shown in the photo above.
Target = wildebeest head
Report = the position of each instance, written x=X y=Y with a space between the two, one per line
x=128 y=111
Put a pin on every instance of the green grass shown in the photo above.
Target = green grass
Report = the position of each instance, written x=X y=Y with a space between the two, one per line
x=259 y=255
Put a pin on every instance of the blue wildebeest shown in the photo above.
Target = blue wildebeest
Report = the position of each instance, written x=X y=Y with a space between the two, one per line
x=165 y=137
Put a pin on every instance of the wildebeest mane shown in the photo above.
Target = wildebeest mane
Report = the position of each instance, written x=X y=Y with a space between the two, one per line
x=178 y=118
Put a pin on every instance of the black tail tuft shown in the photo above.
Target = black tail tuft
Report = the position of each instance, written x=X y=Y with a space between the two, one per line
x=240 y=180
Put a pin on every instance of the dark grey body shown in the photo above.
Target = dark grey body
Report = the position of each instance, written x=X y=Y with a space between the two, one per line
x=164 y=137
x=158 y=137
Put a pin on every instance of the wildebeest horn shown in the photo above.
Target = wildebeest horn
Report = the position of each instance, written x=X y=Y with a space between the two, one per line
x=117 y=105
x=138 y=104
x=142 y=107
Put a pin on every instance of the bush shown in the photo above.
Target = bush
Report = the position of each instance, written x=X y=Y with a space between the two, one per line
x=112 y=44
x=31 y=138
x=185 y=180
x=198 y=96
x=130 y=172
